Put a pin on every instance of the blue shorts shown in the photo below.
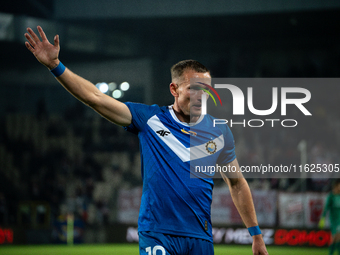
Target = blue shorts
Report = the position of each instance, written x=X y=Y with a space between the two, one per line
x=151 y=243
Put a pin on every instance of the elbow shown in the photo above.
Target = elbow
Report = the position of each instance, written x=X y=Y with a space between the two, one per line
x=93 y=99
x=238 y=184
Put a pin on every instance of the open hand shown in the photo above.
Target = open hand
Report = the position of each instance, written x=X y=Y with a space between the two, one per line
x=45 y=52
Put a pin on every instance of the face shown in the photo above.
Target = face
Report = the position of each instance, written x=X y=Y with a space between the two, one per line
x=188 y=97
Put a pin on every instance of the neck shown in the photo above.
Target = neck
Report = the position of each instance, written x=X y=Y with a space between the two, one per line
x=183 y=117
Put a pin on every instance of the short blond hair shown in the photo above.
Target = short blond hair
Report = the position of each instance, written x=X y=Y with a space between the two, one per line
x=178 y=69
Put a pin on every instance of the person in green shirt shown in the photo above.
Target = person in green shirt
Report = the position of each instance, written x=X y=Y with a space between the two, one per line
x=333 y=207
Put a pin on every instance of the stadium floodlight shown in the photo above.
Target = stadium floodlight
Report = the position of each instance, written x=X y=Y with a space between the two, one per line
x=102 y=86
x=117 y=93
x=112 y=86
x=124 y=86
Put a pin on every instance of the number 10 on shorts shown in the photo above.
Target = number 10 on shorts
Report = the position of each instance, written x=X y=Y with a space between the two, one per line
x=155 y=249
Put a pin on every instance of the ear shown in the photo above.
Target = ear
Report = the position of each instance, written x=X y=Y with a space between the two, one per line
x=174 y=89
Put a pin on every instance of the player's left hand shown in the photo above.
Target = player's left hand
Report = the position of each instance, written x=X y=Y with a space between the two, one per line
x=259 y=247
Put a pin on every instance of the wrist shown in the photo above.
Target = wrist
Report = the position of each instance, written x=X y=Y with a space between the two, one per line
x=53 y=64
x=58 y=70
x=257 y=237
x=254 y=231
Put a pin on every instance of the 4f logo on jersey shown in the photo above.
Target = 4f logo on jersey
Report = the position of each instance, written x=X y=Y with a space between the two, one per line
x=163 y=133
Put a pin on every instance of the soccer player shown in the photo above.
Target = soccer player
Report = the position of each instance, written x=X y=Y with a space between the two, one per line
x=175 y=208
x=333 y=207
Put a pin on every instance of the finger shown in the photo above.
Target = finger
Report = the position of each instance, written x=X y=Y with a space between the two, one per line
x=42 y=33
x=33 y=35
x=29 y=47
x=56 y=41
x=30 y=40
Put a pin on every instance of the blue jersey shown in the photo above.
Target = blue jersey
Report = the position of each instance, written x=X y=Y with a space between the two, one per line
x=172 y=201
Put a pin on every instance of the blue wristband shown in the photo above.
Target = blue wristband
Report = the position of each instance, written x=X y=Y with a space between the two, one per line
x=254 y=231
x=59 y=70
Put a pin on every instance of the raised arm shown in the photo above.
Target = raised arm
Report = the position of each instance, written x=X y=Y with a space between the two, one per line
x=47 y=54
x=243 y=201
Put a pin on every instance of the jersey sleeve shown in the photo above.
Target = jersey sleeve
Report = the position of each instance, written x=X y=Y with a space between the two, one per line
x=140 y=115
x=228 y=153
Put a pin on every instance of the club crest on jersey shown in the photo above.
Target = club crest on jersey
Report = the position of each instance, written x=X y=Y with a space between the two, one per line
x=188 y=132
x=211 y=147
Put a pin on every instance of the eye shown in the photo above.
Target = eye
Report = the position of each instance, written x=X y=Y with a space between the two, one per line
x=194 y=88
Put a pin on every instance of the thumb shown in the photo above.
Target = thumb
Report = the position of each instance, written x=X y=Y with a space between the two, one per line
x=56 y=41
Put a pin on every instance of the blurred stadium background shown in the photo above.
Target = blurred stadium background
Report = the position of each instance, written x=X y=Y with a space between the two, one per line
x=59 y=158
